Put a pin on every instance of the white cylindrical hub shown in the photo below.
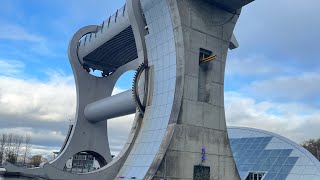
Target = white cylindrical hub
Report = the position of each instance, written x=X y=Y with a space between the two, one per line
x=114 y=106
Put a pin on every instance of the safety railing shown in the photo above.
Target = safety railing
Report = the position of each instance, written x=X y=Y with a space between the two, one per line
x=105 y=24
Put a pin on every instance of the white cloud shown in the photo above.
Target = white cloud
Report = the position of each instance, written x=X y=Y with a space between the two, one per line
x=287 y=119
x=69 y=14
x=11 y=67
x=18 y=33
x=118 y=132
x=117 y=90
x=255 y=65
x=47 y=101
x=282 y=27
x=304 y=86
x=51 y=101
x=45 y=151
x=31 y=41
x=39 y=136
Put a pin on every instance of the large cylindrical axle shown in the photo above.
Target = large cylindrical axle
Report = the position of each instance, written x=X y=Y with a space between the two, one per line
x=114 y=106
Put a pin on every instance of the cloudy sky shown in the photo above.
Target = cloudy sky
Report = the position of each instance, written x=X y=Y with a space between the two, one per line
x=272 y=79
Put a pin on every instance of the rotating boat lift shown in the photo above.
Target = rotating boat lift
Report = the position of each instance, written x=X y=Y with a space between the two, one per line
x=179 y=50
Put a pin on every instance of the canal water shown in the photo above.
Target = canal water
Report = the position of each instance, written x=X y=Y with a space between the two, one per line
x=10 y=178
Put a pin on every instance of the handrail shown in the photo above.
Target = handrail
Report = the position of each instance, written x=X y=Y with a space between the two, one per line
x=86 y=39
x=79 y=43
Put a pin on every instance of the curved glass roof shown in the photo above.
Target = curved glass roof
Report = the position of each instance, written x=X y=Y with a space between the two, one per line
x=278 y=158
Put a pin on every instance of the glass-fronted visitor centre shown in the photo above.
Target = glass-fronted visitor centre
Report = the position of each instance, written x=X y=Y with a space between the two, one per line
x=262 y=155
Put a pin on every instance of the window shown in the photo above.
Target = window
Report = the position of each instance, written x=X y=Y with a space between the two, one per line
x=205 y=56
x=255 y=176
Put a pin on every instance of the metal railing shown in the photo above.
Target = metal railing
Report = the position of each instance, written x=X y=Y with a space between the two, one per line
x=104 y=24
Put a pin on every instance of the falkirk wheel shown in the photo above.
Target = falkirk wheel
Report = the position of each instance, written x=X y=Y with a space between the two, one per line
x=179 y=49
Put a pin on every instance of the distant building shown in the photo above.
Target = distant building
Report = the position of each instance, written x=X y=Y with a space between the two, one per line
x=81 y=162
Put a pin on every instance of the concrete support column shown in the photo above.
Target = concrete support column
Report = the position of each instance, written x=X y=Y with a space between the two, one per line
x=201 y=123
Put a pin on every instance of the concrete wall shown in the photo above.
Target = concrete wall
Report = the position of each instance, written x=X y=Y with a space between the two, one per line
x=201 y=122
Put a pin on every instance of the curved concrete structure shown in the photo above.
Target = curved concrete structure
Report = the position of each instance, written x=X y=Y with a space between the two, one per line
x=182 y=128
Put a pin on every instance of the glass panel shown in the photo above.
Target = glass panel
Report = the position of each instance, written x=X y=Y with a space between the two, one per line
x=255 y=140
x=265 y=153
x=259 y=140
x=236 y=141
x=275 y=153
x=236 y=158
x=286 y=169
x=265 y=168
x=243 y=140
x=251 y=160
x=248 y=153
x=285 y=152
x=243 y=160
x=234 y=147
x=240 y=146
x=241 y=152
x=266 y=139
x=270 y=176
x=250 y=140
x=253 y=146
x=261 y=160
x=247 y=161
x=235 y=154
x=262 y=146
x=281 y=177
x=256 y=153
x=239 y=166
x=270 y=161
x=280 y=161
x=245 y=147
x=291 y=161
x=255 y=167
x=246 y=167
x=275 y=169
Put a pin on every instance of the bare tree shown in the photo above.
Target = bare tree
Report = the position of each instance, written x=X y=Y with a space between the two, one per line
x=313 y=146
x=17 y=141
x=26 y=147
x=9 y=150
x=3 y=141
x=12 y=146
